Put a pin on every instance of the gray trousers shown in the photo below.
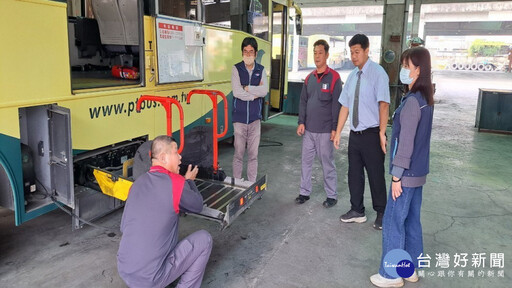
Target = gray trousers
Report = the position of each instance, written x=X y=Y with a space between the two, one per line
x=318 y=144
x=188 y=260
x=247 y=137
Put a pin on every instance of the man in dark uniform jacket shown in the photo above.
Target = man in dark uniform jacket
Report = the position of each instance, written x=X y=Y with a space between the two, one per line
x=318 y=119
x=149 y=253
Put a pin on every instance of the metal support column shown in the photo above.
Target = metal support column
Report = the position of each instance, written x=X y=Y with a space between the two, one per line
x=394 y=25
x=416 y=19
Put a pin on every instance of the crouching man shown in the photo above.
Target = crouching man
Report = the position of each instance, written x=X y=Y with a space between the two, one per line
x=149 y=253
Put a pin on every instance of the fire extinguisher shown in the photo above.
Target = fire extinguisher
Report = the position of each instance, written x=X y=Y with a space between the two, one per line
x=119 y=71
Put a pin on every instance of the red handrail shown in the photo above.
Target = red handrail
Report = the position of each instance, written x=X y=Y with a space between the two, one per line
x=213 y=96
x=166 y=103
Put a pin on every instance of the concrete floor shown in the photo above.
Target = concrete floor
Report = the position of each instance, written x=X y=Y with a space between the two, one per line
x=467 y=208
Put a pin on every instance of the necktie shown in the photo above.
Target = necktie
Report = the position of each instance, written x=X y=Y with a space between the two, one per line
x=355 y=108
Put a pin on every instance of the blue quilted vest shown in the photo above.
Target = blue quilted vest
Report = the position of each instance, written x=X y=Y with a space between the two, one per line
x=248 y=111
x=419 y=165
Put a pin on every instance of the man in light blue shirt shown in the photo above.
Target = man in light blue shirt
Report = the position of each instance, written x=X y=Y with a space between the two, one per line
x=366 y=99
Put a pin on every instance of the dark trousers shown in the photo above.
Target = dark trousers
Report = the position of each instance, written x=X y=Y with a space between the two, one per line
x=364 y=151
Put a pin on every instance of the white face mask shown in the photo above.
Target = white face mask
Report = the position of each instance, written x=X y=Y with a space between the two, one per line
x=404 y=76
x=249 y=60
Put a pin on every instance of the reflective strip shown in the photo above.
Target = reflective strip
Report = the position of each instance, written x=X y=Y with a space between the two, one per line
x=248 y=112
x=396 y=147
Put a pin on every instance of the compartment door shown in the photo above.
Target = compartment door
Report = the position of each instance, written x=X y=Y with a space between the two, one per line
x=61 y=156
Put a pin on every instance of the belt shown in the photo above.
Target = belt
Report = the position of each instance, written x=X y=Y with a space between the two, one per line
x=366 y=131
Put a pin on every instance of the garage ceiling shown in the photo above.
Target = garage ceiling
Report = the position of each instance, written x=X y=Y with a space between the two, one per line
x=329 y=3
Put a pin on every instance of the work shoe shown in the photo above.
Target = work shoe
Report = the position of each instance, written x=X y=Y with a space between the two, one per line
x=353 y=216
x=301 y=199
x=380 y=281
x=378 y=221
x=329 y=202
x=414 y=277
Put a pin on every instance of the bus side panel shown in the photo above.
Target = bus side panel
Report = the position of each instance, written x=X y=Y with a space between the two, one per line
x=35 y=56
x=101 y=121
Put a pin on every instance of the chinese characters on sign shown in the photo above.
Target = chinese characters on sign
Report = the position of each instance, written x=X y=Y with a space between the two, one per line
x=170 y=31
x=479 y=265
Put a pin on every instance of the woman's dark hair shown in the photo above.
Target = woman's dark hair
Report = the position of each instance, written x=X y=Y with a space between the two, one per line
x=403 y=57
x=360 y=39
x=250 y=41
x=323 y=43
x=420 y=57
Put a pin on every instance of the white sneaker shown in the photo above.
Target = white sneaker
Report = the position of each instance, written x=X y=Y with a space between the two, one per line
x=414 y=277
x=380 y=281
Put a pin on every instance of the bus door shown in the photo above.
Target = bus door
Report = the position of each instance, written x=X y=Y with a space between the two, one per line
x=278 y=61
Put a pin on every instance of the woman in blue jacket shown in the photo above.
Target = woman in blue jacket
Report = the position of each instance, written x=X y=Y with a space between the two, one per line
x=409 y=166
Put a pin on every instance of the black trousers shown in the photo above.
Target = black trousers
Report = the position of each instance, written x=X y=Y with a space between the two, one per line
x=364 y=151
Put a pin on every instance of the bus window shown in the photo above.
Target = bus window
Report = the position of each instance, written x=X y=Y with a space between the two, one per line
x=258 y=18
x=104 y=43
x=185 y=9
x=252 y=19
x=217 y=13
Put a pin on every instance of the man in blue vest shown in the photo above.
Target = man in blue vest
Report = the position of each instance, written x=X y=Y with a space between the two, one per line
x=250 y=86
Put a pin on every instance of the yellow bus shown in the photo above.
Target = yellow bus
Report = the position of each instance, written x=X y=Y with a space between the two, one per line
x=72 y=72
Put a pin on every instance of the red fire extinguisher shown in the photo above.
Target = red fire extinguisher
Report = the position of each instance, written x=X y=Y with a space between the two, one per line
x=119 y=71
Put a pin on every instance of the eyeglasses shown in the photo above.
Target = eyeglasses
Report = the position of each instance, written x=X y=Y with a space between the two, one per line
x=248 y=53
